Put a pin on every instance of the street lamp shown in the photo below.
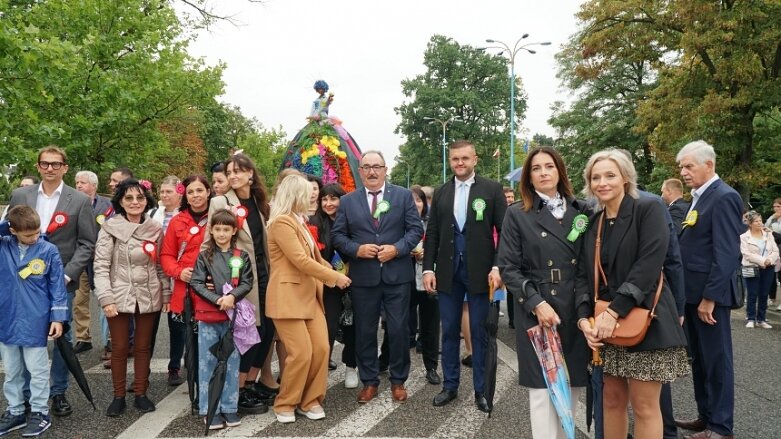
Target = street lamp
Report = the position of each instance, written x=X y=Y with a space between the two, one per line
x=444 y=124
x=512 y=52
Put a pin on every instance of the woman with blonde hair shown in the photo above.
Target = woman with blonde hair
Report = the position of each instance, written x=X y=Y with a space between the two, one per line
x=294 y=300
x=626 y=269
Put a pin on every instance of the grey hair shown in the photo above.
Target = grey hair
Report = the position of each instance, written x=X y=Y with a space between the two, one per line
x=625 y=167
x=170 y=179
x=751 y=215
x=373 y=151
x=91 y=177
x=701 y=151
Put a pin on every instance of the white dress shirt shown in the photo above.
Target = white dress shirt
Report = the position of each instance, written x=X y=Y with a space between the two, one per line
x=697 y=193
x=46 y=205
x=370 y=197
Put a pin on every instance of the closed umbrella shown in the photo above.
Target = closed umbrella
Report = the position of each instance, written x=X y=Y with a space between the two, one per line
x=594 y=413
x=547 y=346
x=191 y=350
x=222 y=350
x=73 y=364
x=491 y=353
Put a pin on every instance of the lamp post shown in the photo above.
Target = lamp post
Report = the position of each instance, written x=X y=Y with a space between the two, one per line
x=444 y=124
x=504 y=47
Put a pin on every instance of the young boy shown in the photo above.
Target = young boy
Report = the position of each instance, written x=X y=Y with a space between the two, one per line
x=34 y=304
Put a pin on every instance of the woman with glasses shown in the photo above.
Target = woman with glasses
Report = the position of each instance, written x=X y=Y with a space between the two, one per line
x=130 y=285
x=760 y=254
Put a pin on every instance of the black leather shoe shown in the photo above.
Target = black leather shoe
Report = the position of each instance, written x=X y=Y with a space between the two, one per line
x=331 y=365
x=82 y=346
x=691 y=425
x=249 y=403
x=481 y=403
x=262 y=388
x=444 y=397
x=433 y=377
x=467 y=361
x=143 y=404
x=116 y=407
x=61 y=406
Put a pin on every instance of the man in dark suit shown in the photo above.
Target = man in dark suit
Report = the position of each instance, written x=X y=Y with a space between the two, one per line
x=672 y=194
x=67 y=222
x=376 y=228
x=460 y=249
x=710 y=248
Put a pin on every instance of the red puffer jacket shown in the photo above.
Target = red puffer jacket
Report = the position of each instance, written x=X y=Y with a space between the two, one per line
x=181 y=245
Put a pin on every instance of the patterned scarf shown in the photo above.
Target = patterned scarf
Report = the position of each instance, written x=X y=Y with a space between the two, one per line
x=555 y=205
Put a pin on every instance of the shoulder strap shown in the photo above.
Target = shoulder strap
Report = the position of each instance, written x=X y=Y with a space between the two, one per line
x=600 y=273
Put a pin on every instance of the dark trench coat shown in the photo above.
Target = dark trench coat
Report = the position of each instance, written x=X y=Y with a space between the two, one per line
x=534 y=247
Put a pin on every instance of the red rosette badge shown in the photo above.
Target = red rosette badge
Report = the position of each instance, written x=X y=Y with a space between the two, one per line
x=150 y=248
x=241 y=215
x=59 y=219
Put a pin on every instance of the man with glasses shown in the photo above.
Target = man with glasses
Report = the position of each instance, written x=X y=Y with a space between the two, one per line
x=376 y=228
x=67 y=222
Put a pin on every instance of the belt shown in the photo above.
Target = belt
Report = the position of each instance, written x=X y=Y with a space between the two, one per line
x=552 y=275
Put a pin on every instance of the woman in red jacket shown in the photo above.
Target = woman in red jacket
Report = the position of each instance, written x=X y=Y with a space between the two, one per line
x=181 y=245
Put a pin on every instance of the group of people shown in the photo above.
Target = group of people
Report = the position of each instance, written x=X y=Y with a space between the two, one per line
x=291 y=268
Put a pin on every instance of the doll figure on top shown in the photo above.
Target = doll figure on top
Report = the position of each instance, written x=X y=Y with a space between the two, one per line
x=320 y=105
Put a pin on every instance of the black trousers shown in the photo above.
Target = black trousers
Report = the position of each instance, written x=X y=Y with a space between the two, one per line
x=256 y=355
x=428 y=326
x=332 y=299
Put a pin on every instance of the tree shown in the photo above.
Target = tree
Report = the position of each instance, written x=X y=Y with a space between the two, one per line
x=98 y=78
x=718 y=69
x=467 y=84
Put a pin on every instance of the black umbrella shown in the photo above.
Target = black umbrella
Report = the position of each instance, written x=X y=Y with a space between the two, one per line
x=222 y=350
x=191 y=349
x=594 y=395
x=491 y=352
x=73 y=364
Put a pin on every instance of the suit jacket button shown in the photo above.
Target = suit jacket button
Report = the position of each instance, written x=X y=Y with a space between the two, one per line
x=451 y=241
x=520 y=300
x=543 y=234
x=550 y=263
x=574 y=261
x=552 y=292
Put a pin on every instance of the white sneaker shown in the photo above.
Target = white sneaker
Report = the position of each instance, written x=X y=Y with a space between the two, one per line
x=764 y=325
x=351 y=378
x=285 y=417
x=313 y=413
x=750 y=324
x=778 y=308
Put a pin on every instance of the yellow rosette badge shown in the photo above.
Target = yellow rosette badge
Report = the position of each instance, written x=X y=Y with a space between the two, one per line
x=691 y=219
x=36 y=266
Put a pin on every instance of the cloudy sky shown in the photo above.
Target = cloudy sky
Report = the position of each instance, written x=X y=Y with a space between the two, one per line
x=364 y=49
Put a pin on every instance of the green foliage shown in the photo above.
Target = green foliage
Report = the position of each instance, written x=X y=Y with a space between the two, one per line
x=97 y=78
x=710 y=69
x=465 y=83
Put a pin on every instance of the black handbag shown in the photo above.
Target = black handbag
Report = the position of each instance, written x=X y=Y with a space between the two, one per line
x=749 y=271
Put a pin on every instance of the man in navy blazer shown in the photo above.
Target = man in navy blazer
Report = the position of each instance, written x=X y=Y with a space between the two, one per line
x=375 y=229
x=68 y=222
x=459 y=261
x=710 y=248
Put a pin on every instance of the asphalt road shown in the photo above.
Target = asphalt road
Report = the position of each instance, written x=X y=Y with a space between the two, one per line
x=757 y=401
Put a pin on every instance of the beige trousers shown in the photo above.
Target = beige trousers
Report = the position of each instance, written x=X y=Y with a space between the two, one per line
x=81 y=309
x=306 y=365
x=544 y=419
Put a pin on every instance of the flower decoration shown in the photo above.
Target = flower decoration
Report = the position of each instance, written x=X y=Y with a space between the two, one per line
x=146 y=184
x=180 y=188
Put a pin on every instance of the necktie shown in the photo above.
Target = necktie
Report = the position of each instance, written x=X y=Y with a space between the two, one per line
x=374 y=207
x=463 y=192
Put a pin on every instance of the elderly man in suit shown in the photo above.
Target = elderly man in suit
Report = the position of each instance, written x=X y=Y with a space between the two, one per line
x=672 y=194
x=710 y=247
x=460 y=248
x=376 y=228
x=87 y=183
x=67 y=222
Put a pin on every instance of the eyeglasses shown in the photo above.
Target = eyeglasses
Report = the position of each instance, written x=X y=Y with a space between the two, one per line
x=375 y=168
x=53 y=165
x=130 y=198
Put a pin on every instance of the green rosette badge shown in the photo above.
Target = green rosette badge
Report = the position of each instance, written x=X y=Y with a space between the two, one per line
x=235 y=263
x=383 y=207
x=478 y=205
x=579 y=225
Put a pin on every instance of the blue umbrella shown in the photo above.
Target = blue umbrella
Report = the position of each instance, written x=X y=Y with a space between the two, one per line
x=547 y=346
x=514 y=175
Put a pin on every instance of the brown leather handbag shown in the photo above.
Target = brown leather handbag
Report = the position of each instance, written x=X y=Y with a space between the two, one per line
x=631 y=329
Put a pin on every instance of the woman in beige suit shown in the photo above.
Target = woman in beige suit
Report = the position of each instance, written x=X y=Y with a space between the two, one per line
x=295 y=302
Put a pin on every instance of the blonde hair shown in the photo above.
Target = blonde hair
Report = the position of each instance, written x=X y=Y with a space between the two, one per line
x=292 y=197
x=625 y=167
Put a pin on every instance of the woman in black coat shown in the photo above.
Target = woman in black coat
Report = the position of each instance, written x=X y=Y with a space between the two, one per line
x=538 y=263
x=635 y=237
